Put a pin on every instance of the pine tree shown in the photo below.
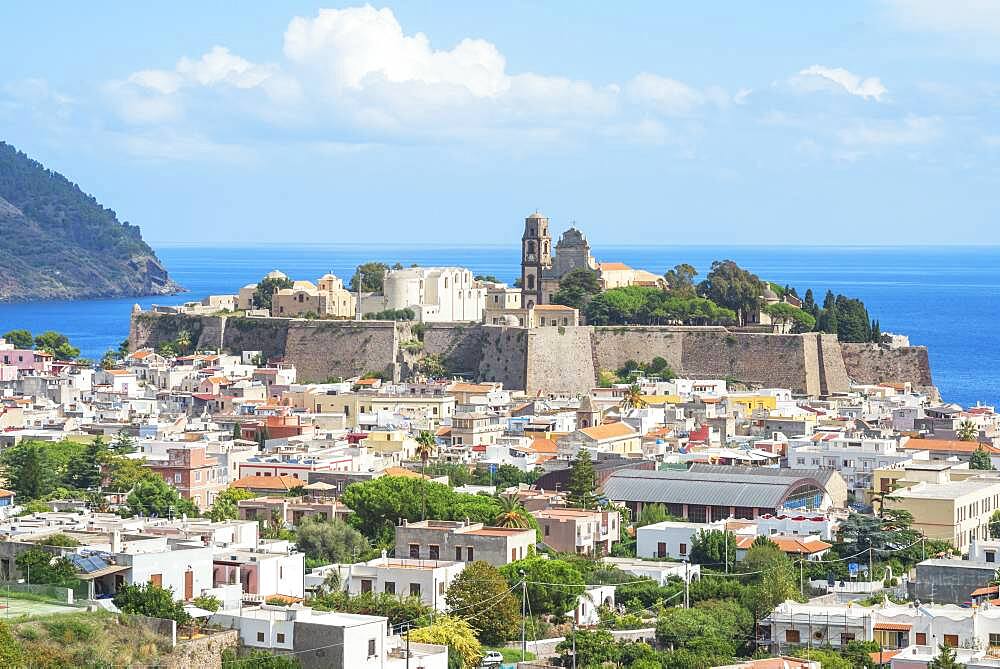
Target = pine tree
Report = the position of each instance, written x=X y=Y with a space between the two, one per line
x=946 y=659
x=828 y=321
x=237 y=431
x=582 y=482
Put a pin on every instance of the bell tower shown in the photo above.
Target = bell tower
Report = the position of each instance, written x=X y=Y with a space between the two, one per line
x=536 y=256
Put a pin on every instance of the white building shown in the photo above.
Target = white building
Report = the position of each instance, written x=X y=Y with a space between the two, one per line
x=855 y=458
x=325 y=639
x=436 y=294
x=427 y=579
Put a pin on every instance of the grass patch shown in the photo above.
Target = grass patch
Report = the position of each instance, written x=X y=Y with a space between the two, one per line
x=511 y=655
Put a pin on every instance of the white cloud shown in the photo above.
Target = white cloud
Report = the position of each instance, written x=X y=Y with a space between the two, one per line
x=910 y=130
x=819 y=77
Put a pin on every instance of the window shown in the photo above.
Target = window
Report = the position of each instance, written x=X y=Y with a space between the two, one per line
x=390 y=587
x=951 y=640
x=371 y=647
x=547 y=532
x=469 y=553
x=792 y=636
x=197 y=476
x=684 y=549
x=458 y=553
x=661 y=549
x=414 y=551
x=513 y=554
x=366 y=585
x=281 y=637
x=922 y=638
x=991 y=556
x=177 y=477
x=156 y=579
x=260 y=637
x=434 y=552
x=414 y=589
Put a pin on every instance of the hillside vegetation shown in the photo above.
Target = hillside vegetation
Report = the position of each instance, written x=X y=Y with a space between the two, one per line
x=58 y=242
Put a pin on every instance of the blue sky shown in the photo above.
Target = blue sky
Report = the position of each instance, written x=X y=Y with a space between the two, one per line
x=654 y=123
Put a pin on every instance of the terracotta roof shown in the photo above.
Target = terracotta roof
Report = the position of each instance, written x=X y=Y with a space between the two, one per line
x=119 y=372
x=884 y=656
x=540 y=445
x=141 y=355
x=404 y=473
x=988 y=590
x=499 y=531
x=552 y=307
x=613 y=266
x=443 y=432
x=283 y=482
x=947 y=445
x=609 y=431
x=893 y=627
x=365 y=382
x=788 y=544
x=470 y=388
x=6 y=493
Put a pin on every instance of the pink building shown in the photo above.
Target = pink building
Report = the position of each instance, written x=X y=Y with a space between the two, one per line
x=196 y=476
x=27 y=360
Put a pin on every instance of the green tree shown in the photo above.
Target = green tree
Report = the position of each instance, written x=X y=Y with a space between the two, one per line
x=853 y=323
x=152 y=496
x=455 y=633
x=330 y=540
x=207 y=602
x=57 y=344
x=266 y=288
x=123 y=443
x=482 y=596
x=967 y=431
x=11 y=652
x=797 y=320
x=512 y=513
x=371 y=276
x=124 y=473
x=29 y=469
x=109 y=359
x=148 y=599
x=225 y=505
x=828 y=316
x=21 y=339
x=582 y=482
x=713 y=547
x=426 y=443
x=244 y=658
x=577 y=287
x=995 y=525
x=945 y=659
x=632 y=398
x=653 y=513
x=980 y=459
x=594 y=648
x=42 y=567
x=680 y=280
x=484 y=278
x=541 y=573
x=84 y=469
x=773 y=572
x=827 y=658
x=730 y=286
x=237 y=430
x=397 y=609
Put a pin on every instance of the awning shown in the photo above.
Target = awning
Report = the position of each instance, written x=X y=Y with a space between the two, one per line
x=110 y=569
x=892 y=627
x=320 y=485
x=196 y=612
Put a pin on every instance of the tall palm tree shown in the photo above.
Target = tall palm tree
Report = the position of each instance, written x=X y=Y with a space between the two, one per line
x=426 y=444
x=512 y=513
x=967 y=431
x=632 y=399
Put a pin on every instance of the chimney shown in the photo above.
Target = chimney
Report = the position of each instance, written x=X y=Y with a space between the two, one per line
x=116 y=541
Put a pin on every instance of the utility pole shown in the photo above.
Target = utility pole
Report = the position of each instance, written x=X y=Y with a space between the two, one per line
x=725 y=547
x=574 y=644
x=871 y=565
x=687 y=584
x=408 y=645
x=524 y=614
x=802 y=583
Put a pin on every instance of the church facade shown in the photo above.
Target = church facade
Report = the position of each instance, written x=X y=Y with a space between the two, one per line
x=543 y=266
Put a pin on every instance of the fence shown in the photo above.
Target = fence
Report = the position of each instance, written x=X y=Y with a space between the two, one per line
x=53 y=592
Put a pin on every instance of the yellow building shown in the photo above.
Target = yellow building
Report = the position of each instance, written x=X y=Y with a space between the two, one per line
x=617 y=438
x=748 y=403
x=946 y=504
x=327 y=298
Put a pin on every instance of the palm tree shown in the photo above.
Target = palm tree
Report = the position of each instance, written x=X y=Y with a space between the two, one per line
x=512 y=513
x=425 y=448
x=967 y=431
x=632 y=399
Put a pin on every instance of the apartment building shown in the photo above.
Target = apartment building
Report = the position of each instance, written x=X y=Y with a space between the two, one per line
x=579 y=530
x=427 y=580
x=466 y=542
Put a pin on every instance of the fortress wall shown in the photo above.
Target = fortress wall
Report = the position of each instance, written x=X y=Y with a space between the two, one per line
x=267 y=335
x=321 y=349
x=868 y=363
x=546 y=359
x=613 y=346
x=560 y=360
x=504 y=355
x=768 y=359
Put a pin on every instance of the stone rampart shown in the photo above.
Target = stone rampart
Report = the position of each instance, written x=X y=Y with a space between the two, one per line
x=544 y=360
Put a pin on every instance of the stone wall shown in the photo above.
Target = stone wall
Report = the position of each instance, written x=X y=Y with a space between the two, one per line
x=544 y=360
x=203 y=652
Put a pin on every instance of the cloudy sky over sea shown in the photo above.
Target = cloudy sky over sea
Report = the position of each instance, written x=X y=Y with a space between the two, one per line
x=773 y=123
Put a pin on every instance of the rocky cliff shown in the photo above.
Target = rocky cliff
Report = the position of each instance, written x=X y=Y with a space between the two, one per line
x=57 y=242
x=545 y=360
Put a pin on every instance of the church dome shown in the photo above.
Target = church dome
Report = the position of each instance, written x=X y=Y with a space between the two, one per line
x=536 y=217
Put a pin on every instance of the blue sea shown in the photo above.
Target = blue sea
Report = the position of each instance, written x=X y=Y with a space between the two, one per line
x=945 y=298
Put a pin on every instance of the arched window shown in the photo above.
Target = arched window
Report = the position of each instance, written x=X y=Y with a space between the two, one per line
x=531 y=247
x=531 y=282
